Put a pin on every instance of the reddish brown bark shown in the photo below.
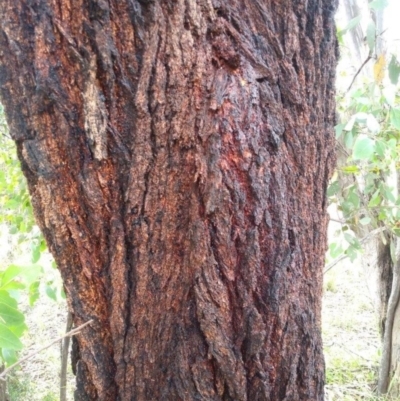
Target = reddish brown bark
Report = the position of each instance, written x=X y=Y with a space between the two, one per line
x=177 y=153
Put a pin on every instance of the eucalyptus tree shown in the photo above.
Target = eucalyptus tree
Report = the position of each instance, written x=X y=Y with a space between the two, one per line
x=177 y=154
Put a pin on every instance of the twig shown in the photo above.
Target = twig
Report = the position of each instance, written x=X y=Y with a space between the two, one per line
x=358 y=71
x=64 y=360
x=362 y=240
x=3 y=376
x=337 y=220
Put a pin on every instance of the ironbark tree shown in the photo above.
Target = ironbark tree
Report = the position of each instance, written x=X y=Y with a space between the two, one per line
x=177 y=154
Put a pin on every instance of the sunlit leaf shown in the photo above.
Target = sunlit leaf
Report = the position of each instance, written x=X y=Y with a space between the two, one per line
x=395 y=118
x=365 y=220
x=350 y=124
x=389 y=92
x=380 y=148
x=8 y=339
x=35 y=254
x=361 y=117
x=5 y=298
x=335 y=249
x=338 y=130
x=378 y=4
x=18 y=329
x=9 y=356
x=353 y=23
x=351 y=169
x=372 y=124
x=349 y=139
x=9 y=275
x=34 y=292
x=351 y=253
x=51 y=292
x=375 y=200
x=10 y=316
x=363 y=148
x=379 y=69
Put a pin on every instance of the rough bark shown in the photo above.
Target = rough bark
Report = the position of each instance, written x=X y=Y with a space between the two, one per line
x=388 y=280
x=391 y=307
x=3 y=387
x=177 y=154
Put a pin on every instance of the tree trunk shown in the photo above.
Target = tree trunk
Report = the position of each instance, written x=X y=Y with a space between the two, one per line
x=3 y=387
x=389 y=313
x=177 y=154
x=352 y=10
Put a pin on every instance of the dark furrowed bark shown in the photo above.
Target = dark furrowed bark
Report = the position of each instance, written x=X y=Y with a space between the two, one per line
x=177 y=153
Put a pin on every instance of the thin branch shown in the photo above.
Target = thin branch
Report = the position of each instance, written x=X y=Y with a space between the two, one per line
x=358 y=71
x=337 y=220
x=64 y=359
x=362 y=240
x=71 y=333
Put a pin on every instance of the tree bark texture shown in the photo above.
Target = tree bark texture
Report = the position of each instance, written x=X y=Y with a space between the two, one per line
x=388 y=282
x=177 y=154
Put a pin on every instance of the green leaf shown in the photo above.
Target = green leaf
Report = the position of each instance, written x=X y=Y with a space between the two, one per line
x=9 y=275
x=10 y=316
x=395 y=118
x=51 y=293
x=43 y=245
x=396 y=213
x=351 y=169
x=380 y=148
x=361 y=117
x=5 y=298
x=372 y=124
x=9 y=356
x=335 y=249
x=352 y=23
x=389 y=93
x=354 y=199
x=371 y=35
x=8 y=339
x=375 y=200
x=34 y=292
x=333 y=189
x=351 y=239
x=338 y=130
x=388 y=194
x=394 y=70
x=13 y=229
x=29 y=273
x=365 y=220
x=35 y=254
x=19 y=329
x=351 y=253
x=350 y=124
x=383 y=214
x=13 y=285
x=363 y=148
x=348 y=139
x=378 y=4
